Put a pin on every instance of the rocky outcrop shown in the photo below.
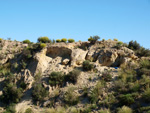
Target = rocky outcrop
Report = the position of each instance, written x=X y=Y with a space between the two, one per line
x=40 y=62
x=28 y=79
x=107 y=57
x=77 y=56
x=65 y=61
x=55 y=51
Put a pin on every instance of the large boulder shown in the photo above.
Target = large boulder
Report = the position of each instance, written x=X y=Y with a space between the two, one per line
x=107 y=57
x=77 y=56
x=40 y=62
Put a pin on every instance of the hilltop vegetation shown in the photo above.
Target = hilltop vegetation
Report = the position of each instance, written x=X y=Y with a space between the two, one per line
x=65 y=76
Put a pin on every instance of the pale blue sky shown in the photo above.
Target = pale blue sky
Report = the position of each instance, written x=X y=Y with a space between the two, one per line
x=79 y=19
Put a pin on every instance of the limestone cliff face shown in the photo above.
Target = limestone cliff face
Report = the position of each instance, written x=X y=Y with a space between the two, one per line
x=71 y=55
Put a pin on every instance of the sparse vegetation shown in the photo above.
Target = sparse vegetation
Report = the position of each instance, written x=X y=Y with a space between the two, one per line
x=26 y=41
x=125 y=109
x=11 y=94
x=42 y=45
x=64 y=40
x=71 y=40
x=58 y=40
x=72 y=76
x=76 y=88
x=39 y=93
x=1 y=40
x=44 y=39
x=87 y=66
x=93 y=39
x=70 y=97
x=56 y=78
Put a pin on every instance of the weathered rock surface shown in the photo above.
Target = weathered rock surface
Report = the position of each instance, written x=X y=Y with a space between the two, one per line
x=77 y=56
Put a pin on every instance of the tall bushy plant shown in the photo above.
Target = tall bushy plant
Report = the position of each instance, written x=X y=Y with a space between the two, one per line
x=93 y=39
x=134 y=45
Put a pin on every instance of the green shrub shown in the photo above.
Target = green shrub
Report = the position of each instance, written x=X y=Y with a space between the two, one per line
x=10 y=109
x=145 y=64
x=70 y=97
x=42 y=45
x=93 y=39
x=58 y=40
x=72 y=76
x=11 y=93
x=119 y=45
x=39 y=92
x=1 y=39
x=126 y=99
x=96 y=92
x=44 y=39
x=115 y=39
x=23 y=85
x=125 y=109
x=71 y=40
x=29 y=110
x=106 y=76
x=142 y=52
x=26 y=41
x=146 y=95
x=87 y=66
x=134 y=87
x=56 y=78
x=103 y=40
x=104 y=111
x=64 y=40
x=134 y=45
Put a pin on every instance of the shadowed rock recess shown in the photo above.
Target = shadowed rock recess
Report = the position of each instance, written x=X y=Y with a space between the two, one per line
x=80 y=77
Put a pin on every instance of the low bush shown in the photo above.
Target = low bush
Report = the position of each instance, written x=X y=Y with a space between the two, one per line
x=56 y=78
x=119 y=45
x=58 y=40
x=115 y=39
x=125 y=109
x=1 y=39
x=87 y=66
x=42 y=45
x=10 y=109
x=44 y=39
x=11 y=94
x=142 y=52
x=103 y=40
x=64 y=40
x=134 y=45
x=146 y=95
x=29 y=110
x=106 y=76
x=145 y=64
x=93 y=39
x=126 y=99
x=26 y=41
x=71 y=40
x=39 y=93
x=70 y=97
x=96 y=92
x=72 y=76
